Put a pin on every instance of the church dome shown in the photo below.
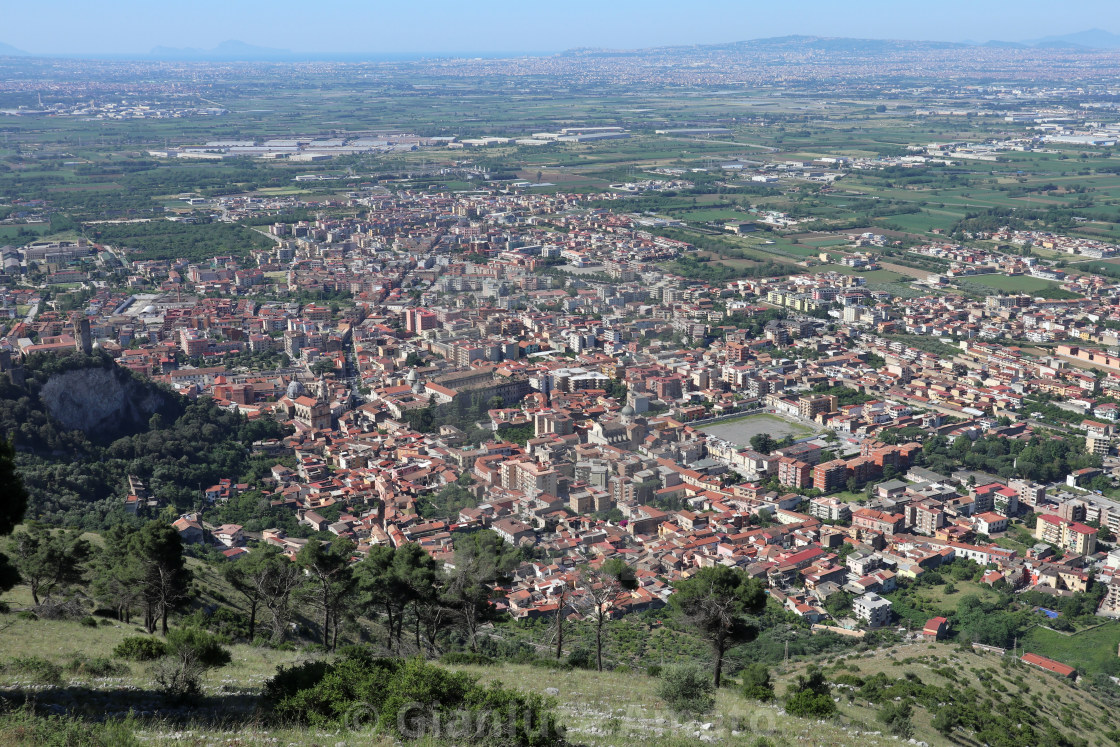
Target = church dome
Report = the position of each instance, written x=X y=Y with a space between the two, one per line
x=295 y=389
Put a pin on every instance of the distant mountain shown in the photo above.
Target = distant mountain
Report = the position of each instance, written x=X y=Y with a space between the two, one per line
x=7 y=50
x=227 y=51
x=1091 y=39
x=779 y=43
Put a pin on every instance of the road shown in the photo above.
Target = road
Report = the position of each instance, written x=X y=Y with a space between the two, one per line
x=760 y=146
x=31 y=314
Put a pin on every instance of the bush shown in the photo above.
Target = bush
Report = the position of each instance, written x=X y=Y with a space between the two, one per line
x=687 y=689
x=896 y=716
x=35 y=668
x=462 y=658
x=89 y=622
x=24 y=726
x=582 y=658
x=99 y=666
x=654 y=670
x=180 y=679
x=756 y=683
x=192 y=644
x=810 y=696
x=140 y=648
x=411 y=700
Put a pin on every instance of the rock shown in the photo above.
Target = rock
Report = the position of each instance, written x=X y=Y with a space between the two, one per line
x=551 y=691
x=99 y=400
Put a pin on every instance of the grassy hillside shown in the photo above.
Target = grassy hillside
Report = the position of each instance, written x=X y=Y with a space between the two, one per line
x=1077 y=709
x=619 y=708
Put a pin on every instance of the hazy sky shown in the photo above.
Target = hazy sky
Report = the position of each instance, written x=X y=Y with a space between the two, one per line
x=375 y=26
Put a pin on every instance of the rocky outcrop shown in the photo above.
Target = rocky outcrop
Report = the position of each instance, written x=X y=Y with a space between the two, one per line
x=100 y=400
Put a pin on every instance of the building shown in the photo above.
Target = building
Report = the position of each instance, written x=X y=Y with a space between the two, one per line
x=878 y=521
x=417 y=321
x=830 y=476
x=872 y=609
x=830 y=509
x=795 y=473
x=935 y=628
x=810 y=405
x=1070 y=536
x=513 y=531
x=1050 y=665
x=990 y=523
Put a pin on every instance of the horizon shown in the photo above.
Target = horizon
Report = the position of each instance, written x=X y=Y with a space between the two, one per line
x=127 y=28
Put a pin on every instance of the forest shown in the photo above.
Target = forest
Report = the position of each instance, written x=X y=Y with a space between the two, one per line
x=78 y=479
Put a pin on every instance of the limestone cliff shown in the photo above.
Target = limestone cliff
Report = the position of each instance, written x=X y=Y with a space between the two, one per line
x=99 y=400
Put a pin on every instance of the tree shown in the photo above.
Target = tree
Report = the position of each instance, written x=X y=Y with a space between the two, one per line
x=331 y=581
x=415 y=572
x=284 y=579
x=718 y=602
x=756 y=682
x=48 y=561
x=839 y=603
x=380 y=587
x=763 y=443
x=14 y=504
x=602 y=587
x=809 y=696
x=481 y=560
x=322 y=367
x=686 y=689
x=12 y=507
x=116 y=575
x=164 y=578
x=255 y=577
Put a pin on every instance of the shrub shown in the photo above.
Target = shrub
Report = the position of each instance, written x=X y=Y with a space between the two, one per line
x=687 y=689
x=99 y=666
x=581 y=658
x=467 y=658
x=37 y=669
x=411 y=700
x=896 y=716
x=24 y=726
x=756 y=683
x=89 y=622
x=654 y=670
x=180 y=679
x=140 y=648
x=192 y=644
x=810 y=696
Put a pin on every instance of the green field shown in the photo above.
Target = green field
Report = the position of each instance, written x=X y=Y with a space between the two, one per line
x=1089 y=651
x=1014 y=284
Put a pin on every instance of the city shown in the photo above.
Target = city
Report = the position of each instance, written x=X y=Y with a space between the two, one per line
x=519 y=391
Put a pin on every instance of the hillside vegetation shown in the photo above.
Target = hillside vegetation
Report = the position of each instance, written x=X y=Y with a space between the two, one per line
x=79 y=477
x=68 y=665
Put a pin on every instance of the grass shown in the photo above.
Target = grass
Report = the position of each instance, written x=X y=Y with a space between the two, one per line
x=622 y=709
x=1089 y=651
x=1003 y=678
x=1017 y=283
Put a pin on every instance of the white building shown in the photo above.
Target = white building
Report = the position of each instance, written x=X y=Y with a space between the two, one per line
x=872 y=609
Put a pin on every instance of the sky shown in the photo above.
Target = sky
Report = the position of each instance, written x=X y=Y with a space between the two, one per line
x=441 y=26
